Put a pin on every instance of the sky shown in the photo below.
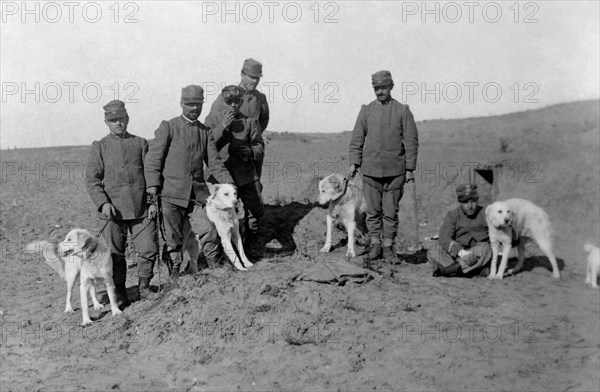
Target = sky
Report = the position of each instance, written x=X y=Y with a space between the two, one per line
x=60 y=62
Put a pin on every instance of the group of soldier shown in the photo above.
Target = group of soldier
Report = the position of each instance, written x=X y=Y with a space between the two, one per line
x=132 y=183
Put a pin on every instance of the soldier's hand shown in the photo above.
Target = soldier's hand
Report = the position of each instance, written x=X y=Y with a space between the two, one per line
x=153 y=190
x=351 y=171
x=152 y=211
x=108 y=210
x=229 y=117
x=244 y=152
x=410 y=176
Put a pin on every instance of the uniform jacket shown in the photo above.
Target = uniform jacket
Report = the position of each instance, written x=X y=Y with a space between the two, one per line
x=176 y=158
x=243 y=131
x=461 y=232
x=254 y=105
x=115 y=174
x=384 y=141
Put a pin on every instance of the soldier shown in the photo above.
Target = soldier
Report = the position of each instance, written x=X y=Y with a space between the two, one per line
x=115 y=182
x=463 y=241
x=241 y=147
x=384 y=146
x=174 y=165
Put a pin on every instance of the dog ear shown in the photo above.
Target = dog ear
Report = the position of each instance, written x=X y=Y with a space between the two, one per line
x=212 y=188
x=90 y=245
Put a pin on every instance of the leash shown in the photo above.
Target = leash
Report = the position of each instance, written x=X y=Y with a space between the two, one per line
x=196 y=202
x=102 y=229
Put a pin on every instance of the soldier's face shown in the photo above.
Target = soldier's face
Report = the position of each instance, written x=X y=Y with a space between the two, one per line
x=117 y=126
x=234 y=104
x=191 y=110
x=383 y=93
x=469 y=207
x=249 y=82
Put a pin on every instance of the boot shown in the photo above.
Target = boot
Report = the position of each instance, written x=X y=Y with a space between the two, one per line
x=253 y=246
x=390 y=256
x=176 y=260
x=453 y=269
x=122 y=299
x=375 y=252
x=144 y=289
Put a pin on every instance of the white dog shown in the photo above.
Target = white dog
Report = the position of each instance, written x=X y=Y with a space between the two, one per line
x=526 y=221
x=83 y=254
x=593 y=265
x=224 y=209
x=346 y=205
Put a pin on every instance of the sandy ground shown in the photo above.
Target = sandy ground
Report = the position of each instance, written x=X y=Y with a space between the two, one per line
x=265 y=330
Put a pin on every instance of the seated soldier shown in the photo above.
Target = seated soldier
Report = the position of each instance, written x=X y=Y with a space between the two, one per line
x=463 y=246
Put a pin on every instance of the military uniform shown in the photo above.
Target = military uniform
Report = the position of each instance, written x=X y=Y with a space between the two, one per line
x=175 y=164
x=243 y=131
x=384 y=145
x=462 y=232
x=115 y=175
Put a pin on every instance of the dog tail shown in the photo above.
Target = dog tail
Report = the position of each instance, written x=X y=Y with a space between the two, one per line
x=48 y=252
x=588 y=247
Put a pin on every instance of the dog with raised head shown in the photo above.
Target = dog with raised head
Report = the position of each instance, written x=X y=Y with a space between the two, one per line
x=593 y=265
x=224 y=209
x=522 y=221
x=83 y=254
x=347 y=206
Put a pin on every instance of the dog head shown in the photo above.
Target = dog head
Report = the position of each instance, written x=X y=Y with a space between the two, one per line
x=331 y=188
x=223 y=196
x=78 y=241
x=498 y=214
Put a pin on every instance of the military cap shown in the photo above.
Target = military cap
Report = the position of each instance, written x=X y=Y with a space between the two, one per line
x=192 y=94
x=252 y=68
x=381 y=78
x=114 y=109
x=232 y=92
x=466 y=192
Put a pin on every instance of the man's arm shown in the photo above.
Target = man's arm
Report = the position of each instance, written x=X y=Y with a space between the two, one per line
x=263 y=117
x=257 y=144
x=94 y=176
x=447 y=232
x=357 y=141
x=411 y=139
x=155 y=157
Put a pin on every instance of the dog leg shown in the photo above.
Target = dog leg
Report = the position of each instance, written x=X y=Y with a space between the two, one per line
x=83 y=292
x=504 y=260
x=97 y=305
x=70 y=283
x=327 y=247
x=521 y=259
x=351 y=233
x=240 y=248
x=494 y=261
x=546 y=247
x=593 y=275
x=112 y=297
x=231 y=255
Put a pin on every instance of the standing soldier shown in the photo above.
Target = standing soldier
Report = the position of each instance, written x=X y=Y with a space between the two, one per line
x=116 y=185
x=175 y=166
x=241 y=147
x=384 y=146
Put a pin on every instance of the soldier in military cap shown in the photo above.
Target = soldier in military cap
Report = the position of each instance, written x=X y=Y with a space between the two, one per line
x=384 y=146
x=115 y=182
x=241 y=147
x=463 y=246
x=174 y=166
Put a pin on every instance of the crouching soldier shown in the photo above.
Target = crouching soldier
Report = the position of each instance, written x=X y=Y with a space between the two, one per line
x=116 y=185
x=463 y=246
